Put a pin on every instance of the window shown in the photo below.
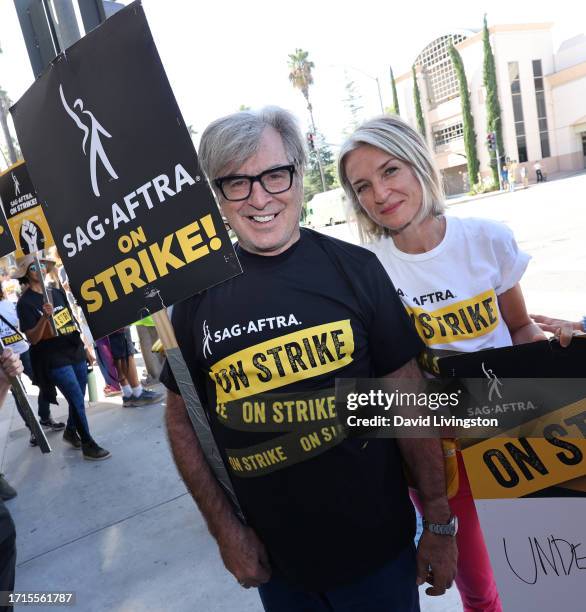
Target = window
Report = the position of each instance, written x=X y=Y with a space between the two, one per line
x=442 y=82
x=541 y=108
x=515 y=82
x=442 y=136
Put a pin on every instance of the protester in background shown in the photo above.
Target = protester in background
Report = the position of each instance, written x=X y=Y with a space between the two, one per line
x=147 y=336
x=394 y=188
x=58 y=355
x=123 y=351
x=107 y=367
x=10 y=366
x=10 y=288
x=538 y=172
x=13 y=339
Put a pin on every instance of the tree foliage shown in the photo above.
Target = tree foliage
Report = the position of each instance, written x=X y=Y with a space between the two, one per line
x=300 y=72
x=395 y=107
x=467 y=118
x=493 y=109
x=312 y=180
x=352 y=102
x=418 y=109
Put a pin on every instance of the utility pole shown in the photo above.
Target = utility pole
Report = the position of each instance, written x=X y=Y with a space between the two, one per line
x=317 y=148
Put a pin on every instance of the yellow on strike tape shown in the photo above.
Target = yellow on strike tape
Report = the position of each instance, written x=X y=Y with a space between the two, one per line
x=283 y=360
x=509 y=467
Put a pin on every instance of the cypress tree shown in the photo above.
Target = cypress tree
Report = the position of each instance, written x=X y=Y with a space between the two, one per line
x=467 y=119
x=396 y=110
x=418 y=109
x=493 y=109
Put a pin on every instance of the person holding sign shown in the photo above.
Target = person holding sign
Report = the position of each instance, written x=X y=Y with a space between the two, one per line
x=457 y=278
x=330 y=523
x=13 y=339
x=58 y=359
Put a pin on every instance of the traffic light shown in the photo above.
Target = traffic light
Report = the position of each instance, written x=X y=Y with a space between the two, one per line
x=311 y=141
x=491 y=141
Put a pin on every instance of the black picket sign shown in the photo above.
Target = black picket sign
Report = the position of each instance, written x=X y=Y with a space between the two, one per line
x=133 y=216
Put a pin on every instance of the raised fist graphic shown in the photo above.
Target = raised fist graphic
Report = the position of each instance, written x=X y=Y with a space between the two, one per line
x=30 y=234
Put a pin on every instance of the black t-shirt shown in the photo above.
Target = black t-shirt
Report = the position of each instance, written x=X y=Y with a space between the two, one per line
x=328 y=509
x=64 y=349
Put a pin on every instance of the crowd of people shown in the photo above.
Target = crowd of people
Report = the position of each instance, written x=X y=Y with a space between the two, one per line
x=332 y=530
x=43 y=325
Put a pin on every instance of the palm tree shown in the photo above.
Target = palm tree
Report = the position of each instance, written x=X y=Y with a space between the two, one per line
x=301 y=78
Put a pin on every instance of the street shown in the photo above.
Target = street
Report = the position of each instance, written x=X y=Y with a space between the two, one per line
x=125 y=535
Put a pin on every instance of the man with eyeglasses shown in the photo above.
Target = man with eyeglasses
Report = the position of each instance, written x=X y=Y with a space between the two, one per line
x=329 y=522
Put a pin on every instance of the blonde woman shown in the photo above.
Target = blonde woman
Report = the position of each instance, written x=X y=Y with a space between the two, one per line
x=458 y=279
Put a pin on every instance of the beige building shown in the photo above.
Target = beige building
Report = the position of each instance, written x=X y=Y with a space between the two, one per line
x=541 y=94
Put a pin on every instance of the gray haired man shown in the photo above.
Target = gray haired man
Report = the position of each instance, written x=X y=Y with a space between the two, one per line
x=330 y=523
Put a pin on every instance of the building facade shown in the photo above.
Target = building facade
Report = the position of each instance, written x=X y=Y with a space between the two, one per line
x=541 y=94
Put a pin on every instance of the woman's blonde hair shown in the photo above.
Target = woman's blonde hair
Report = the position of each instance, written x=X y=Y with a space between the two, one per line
x=397 y=138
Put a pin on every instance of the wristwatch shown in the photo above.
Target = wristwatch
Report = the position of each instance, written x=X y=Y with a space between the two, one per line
x=448 y=529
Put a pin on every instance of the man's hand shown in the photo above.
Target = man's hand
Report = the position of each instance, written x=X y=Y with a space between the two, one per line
x=244 y=555
x=437 y=558
x=11 y=364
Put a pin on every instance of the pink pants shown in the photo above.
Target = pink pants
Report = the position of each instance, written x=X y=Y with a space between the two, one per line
x=475 y=579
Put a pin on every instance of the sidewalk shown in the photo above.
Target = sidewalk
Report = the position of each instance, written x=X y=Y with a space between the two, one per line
x=122 y=533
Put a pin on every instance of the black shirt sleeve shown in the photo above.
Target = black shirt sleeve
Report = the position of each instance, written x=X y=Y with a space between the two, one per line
x=393 y=340
x=27 y=312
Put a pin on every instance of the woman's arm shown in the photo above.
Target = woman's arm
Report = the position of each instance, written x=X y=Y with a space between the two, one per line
x=35 y=334
x=514 y=312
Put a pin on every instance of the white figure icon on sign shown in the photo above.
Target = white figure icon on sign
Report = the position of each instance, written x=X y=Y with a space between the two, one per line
x=207 y=337
x=16 y=184
x=95 y=131
x=493 y=386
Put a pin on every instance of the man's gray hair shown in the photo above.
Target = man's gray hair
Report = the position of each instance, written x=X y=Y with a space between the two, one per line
x=229 y=141
x=397 y=138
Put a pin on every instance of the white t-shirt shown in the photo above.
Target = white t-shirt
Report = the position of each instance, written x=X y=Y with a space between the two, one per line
x=451 y=291
x=12 y=340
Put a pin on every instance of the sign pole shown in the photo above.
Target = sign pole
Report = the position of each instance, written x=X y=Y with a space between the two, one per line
x=32 y=421
x=194 y=407
x=46 y=296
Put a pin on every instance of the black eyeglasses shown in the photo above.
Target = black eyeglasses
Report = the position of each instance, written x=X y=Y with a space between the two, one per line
x=33 y=267
x=238 y=187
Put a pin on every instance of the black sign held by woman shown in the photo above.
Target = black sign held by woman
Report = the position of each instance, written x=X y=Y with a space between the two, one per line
x=133 y=217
